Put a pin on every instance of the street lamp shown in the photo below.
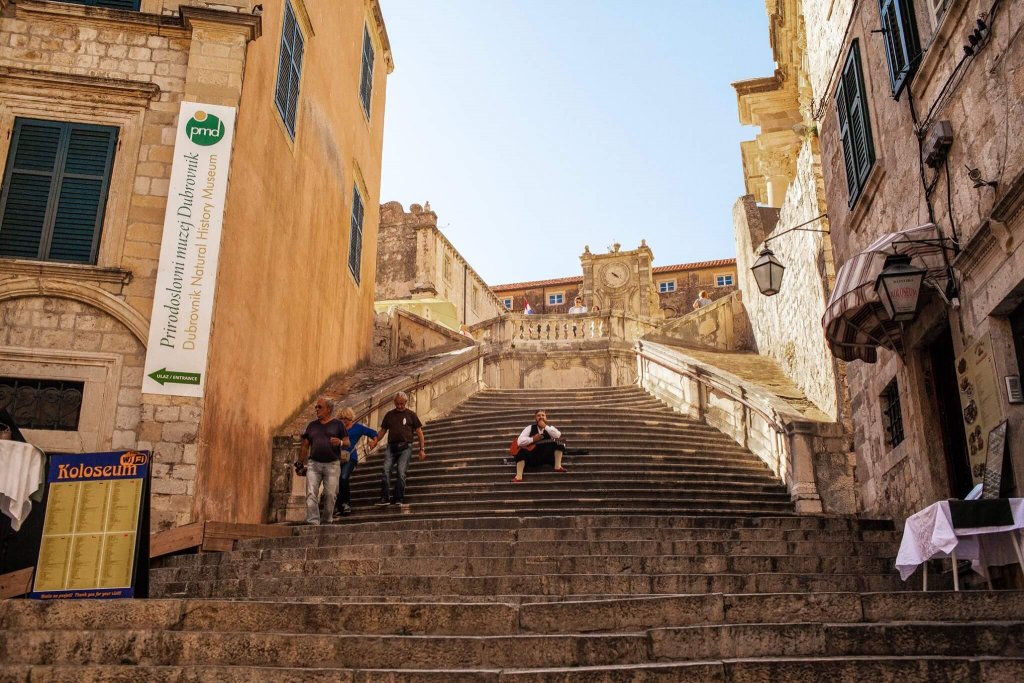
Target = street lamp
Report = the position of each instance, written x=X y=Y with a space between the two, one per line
x=898 y=287
x=768 y=272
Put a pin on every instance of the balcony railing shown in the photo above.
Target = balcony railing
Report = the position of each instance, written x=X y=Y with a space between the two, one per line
x=560 y=327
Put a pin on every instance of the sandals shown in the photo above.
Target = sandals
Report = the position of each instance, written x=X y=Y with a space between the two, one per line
x=561 y=470
x=517 y=480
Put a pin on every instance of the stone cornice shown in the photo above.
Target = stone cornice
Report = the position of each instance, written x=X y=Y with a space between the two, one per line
x=249 y=24
x=1011 y=203
x=67 y=271
x=107 y=89
x=382 y=33
x=99 y=16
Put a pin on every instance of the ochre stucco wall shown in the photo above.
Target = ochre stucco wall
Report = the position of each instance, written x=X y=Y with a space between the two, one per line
x=289 y=313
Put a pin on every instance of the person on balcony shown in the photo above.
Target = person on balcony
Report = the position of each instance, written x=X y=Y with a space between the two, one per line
x=702 y=300
x=578 y=308
x=539 y=444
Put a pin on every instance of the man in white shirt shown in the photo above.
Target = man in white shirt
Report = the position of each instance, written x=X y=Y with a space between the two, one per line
x=539 y=445
x=578 y=308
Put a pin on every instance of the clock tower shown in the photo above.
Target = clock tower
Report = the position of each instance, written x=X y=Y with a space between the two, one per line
x=620 y=281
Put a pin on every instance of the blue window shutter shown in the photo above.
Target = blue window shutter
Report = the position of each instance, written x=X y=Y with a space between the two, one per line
x=289 y=69
x=366 y=79
x=355 y=247
x=55 y=190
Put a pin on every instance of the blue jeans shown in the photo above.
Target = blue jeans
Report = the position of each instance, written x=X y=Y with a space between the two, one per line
x=345 y=489
x=390 y=460
x=317 y=473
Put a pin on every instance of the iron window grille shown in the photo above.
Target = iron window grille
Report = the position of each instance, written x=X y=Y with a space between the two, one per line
x=289 y=69
x=723 y=280
x=130 y=5
x=355 y=245
x=42 y=403
x=666 y=287
x=366 y=77
x=854 y=124
x=54 y=191
x=892 y=416
x=902 y=46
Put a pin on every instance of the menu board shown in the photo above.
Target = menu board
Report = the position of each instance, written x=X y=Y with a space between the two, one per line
x=979 y=399
x=91 y=529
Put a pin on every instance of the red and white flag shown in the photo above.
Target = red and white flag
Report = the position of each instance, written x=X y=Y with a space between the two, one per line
x=527 y=309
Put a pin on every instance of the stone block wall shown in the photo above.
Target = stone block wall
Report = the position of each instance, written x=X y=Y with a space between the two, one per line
x=787 y=326
x=723 y=325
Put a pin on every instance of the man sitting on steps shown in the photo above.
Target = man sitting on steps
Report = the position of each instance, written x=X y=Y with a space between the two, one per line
x=539 y=444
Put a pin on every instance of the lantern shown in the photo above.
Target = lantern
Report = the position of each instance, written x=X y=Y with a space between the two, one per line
x=768 y=272
x=898 y=287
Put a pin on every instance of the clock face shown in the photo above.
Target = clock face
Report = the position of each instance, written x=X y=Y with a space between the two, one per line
x=615 y=275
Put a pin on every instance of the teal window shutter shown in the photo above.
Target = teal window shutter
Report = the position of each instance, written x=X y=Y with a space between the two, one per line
x=854 y=124
x=289 y=69
x=55 y=190
x=366 y=78
x=355 y=246
x=902 y=46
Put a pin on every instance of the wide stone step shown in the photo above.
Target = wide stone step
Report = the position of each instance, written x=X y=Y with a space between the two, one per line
x=591 y=523
x=496 y=618
x=784 y=670
x=366 y=551
x=361 y=534
x=536 y=489
x=266 y=649
x=580 y=416
x=495 y=474
x=540 y=584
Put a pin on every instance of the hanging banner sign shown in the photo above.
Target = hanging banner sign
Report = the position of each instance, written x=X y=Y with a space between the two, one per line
x=179 y=329
x=93 y=527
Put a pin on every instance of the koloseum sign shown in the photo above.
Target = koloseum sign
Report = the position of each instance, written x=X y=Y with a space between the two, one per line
x=179 y=329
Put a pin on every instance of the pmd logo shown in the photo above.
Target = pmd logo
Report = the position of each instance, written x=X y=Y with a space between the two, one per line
x=204 y=129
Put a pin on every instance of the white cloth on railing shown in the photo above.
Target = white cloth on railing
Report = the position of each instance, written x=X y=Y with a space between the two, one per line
x=929 y=534
x=22 y=474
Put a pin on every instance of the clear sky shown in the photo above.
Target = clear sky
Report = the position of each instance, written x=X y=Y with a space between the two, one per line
x=535 y=127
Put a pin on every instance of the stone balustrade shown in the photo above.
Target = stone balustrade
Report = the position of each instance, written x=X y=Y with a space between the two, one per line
x=811 y=457
x=516 y=329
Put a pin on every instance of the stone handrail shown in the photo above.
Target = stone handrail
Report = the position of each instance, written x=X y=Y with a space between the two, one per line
x=809 y=456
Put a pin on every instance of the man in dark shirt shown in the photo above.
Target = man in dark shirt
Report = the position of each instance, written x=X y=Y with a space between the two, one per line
x=400 y=424
x=321 y=459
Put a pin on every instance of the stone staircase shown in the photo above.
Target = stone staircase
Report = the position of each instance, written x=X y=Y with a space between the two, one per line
x=619 y=571
x=643 y=458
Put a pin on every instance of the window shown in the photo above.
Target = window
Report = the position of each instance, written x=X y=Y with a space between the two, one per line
x=902 y=49
x=507 y=303
x=355 y=245
x=112 y=4
x=723 y=280
x=446 y=268
x=476 y=298
x=667 y=286
x=55 y=190
x=289 y=69
x=556 y=299
x=42 y=403
x=892 y=418
x=366 y=79
x=854 y=124
x=939 y=8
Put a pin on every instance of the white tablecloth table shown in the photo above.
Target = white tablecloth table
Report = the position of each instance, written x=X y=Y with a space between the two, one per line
x=22 y=475
x=929 y=534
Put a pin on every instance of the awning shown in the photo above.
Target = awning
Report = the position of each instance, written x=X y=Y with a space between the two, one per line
x=855 y=321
